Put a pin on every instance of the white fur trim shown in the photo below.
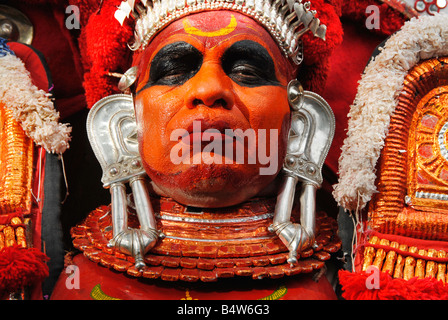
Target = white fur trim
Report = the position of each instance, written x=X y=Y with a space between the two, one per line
x=420 y=38
x=31 y=107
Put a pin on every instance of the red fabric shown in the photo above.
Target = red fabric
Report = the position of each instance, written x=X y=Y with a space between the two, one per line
x=32 y=62
x=38 y=191
x=21 y=267
x=90 y=276
x=354 y=287
x=390 y=19
x=347 y=63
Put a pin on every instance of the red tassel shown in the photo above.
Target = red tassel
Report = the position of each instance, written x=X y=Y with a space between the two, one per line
x=20 y=267
x=354 y=286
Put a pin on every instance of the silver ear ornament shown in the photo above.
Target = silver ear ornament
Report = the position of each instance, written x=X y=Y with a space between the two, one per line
x=310 y=138
x=112 y=133
x=128 y=79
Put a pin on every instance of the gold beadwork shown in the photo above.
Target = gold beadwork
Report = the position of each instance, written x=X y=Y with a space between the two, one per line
x=403 y=262
x=16 y=165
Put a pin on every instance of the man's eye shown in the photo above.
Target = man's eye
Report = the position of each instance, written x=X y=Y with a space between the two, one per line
x=246 y=73
x=249 y=64
x=176 y=71
x=174 y=64
x=177 y=75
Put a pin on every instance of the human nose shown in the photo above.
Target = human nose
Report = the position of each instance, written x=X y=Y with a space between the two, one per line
x=210 y=87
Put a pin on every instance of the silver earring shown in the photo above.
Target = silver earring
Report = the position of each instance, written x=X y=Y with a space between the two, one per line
x=128 y=79
x=112 y=132
x=310 y=137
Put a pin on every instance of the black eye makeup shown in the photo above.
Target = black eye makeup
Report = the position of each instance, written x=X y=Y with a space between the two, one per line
x=174 y=64
x=246 y=62
x=249 y=64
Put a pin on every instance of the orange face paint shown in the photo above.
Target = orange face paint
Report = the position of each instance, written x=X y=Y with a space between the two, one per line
x=215 y=70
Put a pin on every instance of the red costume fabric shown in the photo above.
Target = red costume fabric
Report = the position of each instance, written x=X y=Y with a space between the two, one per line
x=100 y=283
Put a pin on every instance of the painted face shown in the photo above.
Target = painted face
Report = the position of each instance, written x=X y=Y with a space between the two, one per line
x=212 y=109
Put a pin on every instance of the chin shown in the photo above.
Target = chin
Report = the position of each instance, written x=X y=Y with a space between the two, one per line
x=208 y=199
x=211 y=186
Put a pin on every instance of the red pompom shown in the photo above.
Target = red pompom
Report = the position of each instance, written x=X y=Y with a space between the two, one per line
x=316 y=51
x=104 y=48
x=354 y=286
x=20 y=267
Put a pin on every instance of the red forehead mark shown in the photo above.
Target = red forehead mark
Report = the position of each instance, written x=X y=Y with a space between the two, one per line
x=213 y=28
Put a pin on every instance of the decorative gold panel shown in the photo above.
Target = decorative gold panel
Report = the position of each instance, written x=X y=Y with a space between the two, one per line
x=16 y=165
x=412 y=198
x=428 y=161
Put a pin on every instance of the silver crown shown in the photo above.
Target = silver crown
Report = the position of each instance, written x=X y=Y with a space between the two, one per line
x=286 y=20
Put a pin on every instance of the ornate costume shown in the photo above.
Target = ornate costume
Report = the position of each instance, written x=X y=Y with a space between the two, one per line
x=212 y=220
x=404 y=237
x=218 y=128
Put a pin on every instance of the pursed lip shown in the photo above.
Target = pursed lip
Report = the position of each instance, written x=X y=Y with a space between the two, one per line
x=204 y=131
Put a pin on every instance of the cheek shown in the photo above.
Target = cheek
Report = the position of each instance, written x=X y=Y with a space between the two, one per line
x=153 y=109
x=267 y=107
